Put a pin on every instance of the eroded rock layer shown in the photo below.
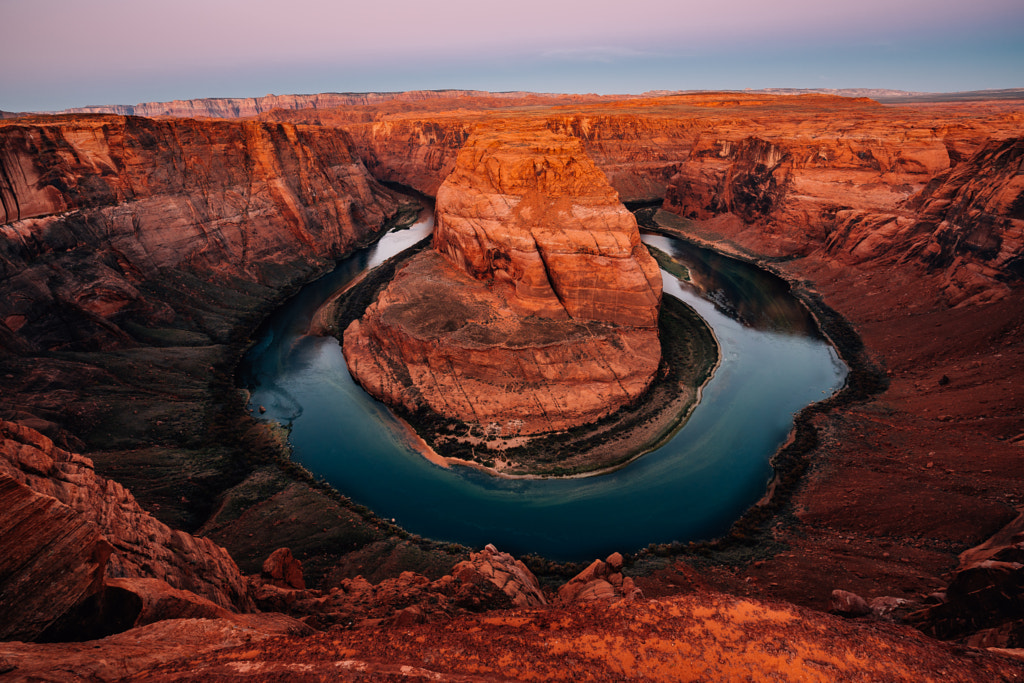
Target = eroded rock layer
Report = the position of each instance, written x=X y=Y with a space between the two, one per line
x=94 y=208
x=538 y=309
x=64 y=528
x=539 y=219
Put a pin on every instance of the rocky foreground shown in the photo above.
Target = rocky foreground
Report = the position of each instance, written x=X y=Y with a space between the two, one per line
x=139 y=505
x=487 y=620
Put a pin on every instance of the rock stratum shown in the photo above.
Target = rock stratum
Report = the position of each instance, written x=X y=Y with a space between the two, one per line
x=141 y=513
x=93 y=208
x=537 y=309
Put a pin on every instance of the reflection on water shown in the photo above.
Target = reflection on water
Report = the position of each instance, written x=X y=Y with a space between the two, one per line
x=739 y=290
x=691 y=488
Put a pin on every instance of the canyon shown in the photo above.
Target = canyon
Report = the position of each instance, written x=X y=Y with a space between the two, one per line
x=139 y=254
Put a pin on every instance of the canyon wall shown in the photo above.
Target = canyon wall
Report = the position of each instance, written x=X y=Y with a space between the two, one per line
x=950 y=207
x=66 y=531
x=537 y=309
x=94 y=207
x=135 y=258
x=782 y=175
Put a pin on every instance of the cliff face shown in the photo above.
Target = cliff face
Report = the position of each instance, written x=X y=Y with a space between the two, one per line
x=134 y=257
x=781 y=175
x=92 y=208
x=417 y=153
x=538 y=309
x=539 y=217
x=140 y=244
x=939 y=199
x=66 y=530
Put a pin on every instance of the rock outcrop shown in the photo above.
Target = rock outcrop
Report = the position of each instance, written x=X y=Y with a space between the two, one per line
x=538 y=309
x=282 y=570
x=984 y=602
x=65 y=529
x=488 y=580
x=602 y=580
x=504 y=572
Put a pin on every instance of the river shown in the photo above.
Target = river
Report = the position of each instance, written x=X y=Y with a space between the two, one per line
x=773 y=364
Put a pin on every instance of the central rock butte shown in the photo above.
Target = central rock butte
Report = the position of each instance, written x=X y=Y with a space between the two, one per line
x=537 y=309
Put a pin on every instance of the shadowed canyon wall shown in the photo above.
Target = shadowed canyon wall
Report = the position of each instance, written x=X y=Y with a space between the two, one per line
x=134 y=254
x=95 y=207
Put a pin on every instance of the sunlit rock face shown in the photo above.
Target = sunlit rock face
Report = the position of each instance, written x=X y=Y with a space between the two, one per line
x=537 y=309
x=538 y=218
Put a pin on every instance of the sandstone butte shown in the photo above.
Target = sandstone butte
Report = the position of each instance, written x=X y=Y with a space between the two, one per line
x=141 y=504
x=537 y=309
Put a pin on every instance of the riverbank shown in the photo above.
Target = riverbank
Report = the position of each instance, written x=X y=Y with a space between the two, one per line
x=873 y=491
x=636 y=430
x=175 y=431
x=749 y=538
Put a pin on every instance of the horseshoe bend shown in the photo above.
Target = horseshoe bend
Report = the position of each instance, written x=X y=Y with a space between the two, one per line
x=535 y=312
x=147 y=510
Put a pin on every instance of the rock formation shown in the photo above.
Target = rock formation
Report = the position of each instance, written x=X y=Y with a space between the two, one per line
x=281 y=569
x=538 y=309
x=602 y=580
x=984 y=602
x=233 y=107
x=94 y=208
x=488 y=580
x=505 y=573
x=65 y=529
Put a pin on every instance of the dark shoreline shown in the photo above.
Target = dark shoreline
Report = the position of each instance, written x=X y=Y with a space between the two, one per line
x=749 y=538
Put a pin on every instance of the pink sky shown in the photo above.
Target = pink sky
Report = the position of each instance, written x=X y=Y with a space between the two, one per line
x=63 y=53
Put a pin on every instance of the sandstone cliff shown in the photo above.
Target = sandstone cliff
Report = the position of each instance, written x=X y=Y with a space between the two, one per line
x=538 y=309
x=135 y=258
x=961 y=222
x=66 y=529
x=537 y=216
x=94 y=207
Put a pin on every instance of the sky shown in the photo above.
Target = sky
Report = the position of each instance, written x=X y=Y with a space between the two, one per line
x=58 y=54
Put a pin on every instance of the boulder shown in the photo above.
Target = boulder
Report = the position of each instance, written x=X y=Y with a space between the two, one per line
x=283 y=570
x=504 y=572
x=848 y=604
x=602 y=580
